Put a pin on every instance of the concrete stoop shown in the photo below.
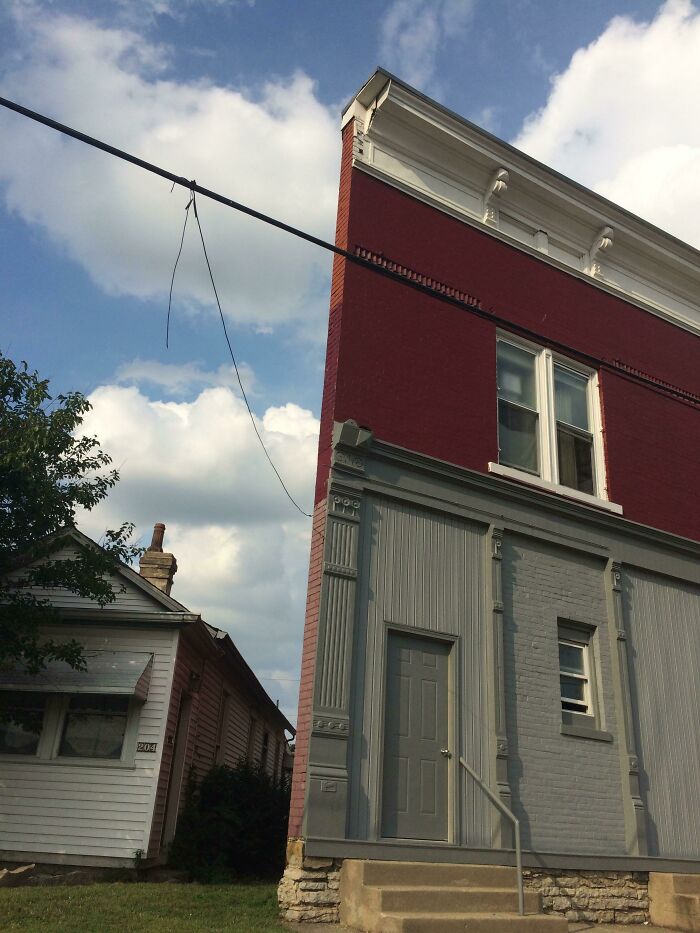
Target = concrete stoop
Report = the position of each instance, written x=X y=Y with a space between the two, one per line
x=427 y=897
x=674 y=901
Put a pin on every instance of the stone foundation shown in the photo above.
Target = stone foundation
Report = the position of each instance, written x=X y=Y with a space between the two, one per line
x=593 y=896
x=310 y=887
x=310 y=891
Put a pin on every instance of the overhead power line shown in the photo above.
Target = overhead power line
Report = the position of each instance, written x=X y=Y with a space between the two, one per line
x=616 y=366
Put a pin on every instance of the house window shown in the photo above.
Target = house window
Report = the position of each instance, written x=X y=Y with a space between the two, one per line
x=265 y=750
x=223 y=728
x=65 y=727
x=94 y=727
x=574 y=671
x=518 y=413
x=548 y=420
x=21 y=722
x=252 y=737
x=573 y=426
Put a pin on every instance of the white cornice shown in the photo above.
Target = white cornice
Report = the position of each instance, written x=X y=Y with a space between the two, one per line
x=419 y=147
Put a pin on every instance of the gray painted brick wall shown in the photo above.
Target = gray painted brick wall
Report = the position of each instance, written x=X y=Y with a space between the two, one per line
x=566 y=790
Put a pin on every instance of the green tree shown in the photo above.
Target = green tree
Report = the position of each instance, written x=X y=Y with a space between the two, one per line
x=47 y=472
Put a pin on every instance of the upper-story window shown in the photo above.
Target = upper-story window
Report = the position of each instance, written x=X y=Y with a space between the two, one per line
x=548 y=420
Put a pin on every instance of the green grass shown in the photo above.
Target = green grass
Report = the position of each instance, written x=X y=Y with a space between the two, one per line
x=152 y=908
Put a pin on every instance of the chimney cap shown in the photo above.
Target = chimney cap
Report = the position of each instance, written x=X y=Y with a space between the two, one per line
x=157 y=539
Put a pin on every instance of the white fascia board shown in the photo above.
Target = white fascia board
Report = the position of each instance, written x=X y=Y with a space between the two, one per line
x=419 y=147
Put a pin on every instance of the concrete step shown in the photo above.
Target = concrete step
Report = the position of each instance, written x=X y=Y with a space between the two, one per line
x=437 y=873
x=470 y=923
x=686 y=884
x=674 y=901
x=453 y=899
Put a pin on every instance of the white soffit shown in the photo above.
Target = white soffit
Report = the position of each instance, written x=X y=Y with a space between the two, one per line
x=416 y=145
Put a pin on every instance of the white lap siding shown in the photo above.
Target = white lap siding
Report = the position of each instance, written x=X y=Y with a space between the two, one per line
x=101 y=813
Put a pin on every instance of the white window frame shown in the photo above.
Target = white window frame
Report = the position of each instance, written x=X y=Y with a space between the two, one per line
x=585 y=647
x=52 y=731
x=548 y=477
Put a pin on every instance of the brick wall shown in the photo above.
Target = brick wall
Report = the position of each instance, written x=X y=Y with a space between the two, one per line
x=308 y=659
x=335 y=316
x=421 y=373
x=564 y=787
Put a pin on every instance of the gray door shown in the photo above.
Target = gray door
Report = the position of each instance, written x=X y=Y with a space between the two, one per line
x=416 y=730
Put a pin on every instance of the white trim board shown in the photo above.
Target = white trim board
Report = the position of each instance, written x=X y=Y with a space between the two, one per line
x=417 y=146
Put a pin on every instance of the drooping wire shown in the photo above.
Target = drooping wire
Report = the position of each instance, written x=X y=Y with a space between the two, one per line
x=179 y=253
x=193 y=203
x=377 y=268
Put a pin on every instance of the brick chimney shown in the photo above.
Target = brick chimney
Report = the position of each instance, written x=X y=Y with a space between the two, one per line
x=155 y=566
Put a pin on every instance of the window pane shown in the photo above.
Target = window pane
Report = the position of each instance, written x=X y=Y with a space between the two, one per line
x=516 y=375
x=575 y=460
x=94 y=727
x=21 y=722
x=571 y=658
x=517 y=437
x=571 y=397
x=573 y=693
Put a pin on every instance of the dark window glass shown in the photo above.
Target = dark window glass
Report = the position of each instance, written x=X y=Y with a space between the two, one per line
x=21 y=722
x=575 y=453
x=571 y=658
x=517 y=437
x=94 y=727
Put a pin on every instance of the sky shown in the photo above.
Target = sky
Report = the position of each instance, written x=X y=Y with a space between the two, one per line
x=245 y=96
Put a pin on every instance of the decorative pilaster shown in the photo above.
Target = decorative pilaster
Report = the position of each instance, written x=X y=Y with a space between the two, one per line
x=326 y=806
x=635 y=811
x=504 y=836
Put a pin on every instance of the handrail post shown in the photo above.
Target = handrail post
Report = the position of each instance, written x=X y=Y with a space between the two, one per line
x=519 y=868
x=516 y=826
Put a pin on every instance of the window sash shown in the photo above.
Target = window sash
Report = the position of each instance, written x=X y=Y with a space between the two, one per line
x=575 y=704
x=94 y=727
x=519 y=449
x=563 y=449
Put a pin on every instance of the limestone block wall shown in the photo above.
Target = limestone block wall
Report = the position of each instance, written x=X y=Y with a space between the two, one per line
x=594 y=896
x=309 y=891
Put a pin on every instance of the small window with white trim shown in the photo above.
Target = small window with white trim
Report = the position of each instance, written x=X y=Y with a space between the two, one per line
x=549 y=425
x=574 y=671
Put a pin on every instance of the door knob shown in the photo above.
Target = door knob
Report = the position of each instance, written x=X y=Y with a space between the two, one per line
x=445 y=752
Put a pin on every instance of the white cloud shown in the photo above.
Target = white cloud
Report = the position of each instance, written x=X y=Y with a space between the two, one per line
x=412 y=32
x=242 y=549
x=620 y=119
x=183 y=378
x=275 y=147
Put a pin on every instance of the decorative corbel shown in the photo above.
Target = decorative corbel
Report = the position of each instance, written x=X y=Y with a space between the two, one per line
x=496 y=187
x=602 y=242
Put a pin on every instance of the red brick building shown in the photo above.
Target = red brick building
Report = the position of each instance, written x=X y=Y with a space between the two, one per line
x=510 y=445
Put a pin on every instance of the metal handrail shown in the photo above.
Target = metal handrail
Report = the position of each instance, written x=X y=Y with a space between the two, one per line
x=516 y=824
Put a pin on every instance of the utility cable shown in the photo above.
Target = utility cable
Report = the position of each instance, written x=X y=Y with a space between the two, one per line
x=172 y=280
x=193 y=202
x=613 y=365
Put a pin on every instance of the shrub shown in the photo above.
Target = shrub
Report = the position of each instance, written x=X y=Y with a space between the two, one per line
x=233 y=824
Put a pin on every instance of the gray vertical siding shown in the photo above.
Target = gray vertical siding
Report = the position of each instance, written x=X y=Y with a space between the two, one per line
x=662 y=619
x=566 y=790
x=423 y=570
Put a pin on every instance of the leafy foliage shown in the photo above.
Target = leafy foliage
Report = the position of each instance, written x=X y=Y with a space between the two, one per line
x=234 y=824
x=47 y=472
